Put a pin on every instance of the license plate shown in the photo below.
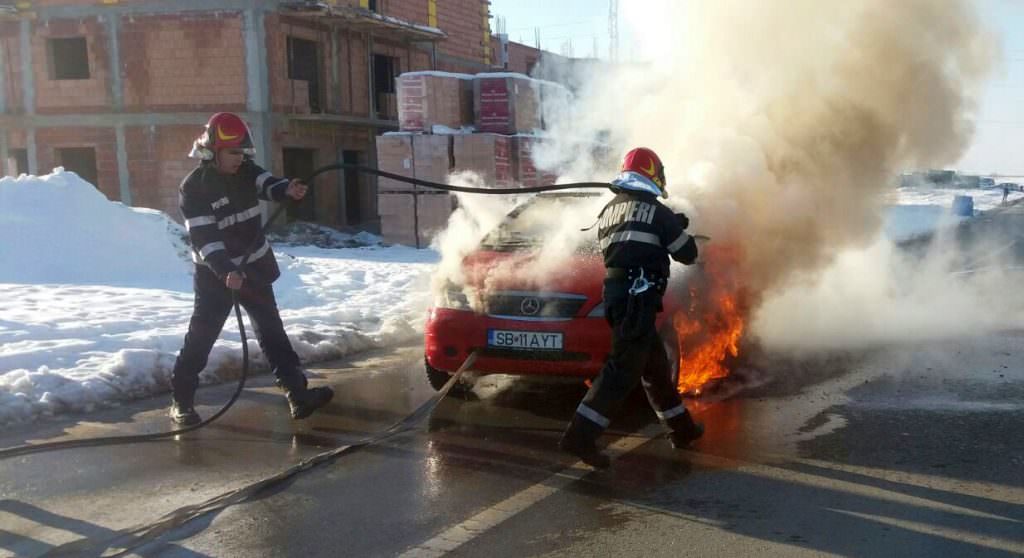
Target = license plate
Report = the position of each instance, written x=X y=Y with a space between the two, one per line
x=536 y=340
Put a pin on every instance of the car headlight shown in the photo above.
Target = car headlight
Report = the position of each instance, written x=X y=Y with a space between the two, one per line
x=453 y=298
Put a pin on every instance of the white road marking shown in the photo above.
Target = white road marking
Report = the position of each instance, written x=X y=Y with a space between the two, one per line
x=462 y=533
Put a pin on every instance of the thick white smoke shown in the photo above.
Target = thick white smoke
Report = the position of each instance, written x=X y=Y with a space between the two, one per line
x=783 y=123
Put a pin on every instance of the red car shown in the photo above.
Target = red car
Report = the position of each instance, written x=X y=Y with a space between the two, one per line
x=519 y=326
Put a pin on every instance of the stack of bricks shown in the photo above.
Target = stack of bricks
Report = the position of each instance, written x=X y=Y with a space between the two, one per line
x=430 y=101
x=485 y=124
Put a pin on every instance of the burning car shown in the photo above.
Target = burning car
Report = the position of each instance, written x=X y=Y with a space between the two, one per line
x=526 y=316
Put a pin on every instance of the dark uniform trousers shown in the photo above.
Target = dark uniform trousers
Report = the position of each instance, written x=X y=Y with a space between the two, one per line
x=637 y=354
x=213 y=303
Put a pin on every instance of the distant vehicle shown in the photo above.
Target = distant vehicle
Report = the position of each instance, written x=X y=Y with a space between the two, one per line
x=986 y=182
x=1011 y=186
x=519 y=326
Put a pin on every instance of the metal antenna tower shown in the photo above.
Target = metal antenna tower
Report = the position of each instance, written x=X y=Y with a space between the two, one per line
x=613 y=30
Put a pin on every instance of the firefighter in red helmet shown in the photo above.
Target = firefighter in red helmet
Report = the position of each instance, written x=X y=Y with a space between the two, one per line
x=637 y=235
x=219 y=201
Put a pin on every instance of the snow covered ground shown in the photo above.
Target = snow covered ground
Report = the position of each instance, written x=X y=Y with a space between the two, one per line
x=913 y=211
x=96 y=296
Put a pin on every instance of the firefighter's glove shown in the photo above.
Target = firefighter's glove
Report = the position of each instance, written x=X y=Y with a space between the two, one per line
x=234 y=280
x=684 y=221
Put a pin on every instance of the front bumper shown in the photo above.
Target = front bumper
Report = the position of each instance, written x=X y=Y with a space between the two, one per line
x=451 y=335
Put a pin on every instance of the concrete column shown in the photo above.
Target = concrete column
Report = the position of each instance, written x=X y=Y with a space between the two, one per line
x=335 y=83
x=257 y=99
x=4 y=171
x=258 y=83
x=370 y=72
x=124 y=180
x=28 y=85
x=255 y=61
x=113 y=22
x=33 y=156
x=3 y=86
x=28 y=90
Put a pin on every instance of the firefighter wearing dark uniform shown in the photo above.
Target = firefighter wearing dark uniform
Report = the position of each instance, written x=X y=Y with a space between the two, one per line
x=637 y=235
x=219 y=201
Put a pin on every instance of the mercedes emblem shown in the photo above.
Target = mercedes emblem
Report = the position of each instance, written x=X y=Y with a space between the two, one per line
x=530 y=306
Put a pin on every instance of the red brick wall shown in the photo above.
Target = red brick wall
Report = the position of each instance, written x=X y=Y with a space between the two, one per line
x=463 y=21
x=521 y=58
x=184 y=62
x=157 y=163
x=409 y=10
x=328 y=140
x=75 y=95
x=357 y=72
x=102 y=140
x=16 y=139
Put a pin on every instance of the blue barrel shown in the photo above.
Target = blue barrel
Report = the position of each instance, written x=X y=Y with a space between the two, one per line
x=963 y=206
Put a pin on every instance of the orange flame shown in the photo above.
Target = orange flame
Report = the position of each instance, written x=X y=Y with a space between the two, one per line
x=712 y=325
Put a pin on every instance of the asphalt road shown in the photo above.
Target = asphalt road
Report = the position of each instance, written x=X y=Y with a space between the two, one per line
x=909 y=450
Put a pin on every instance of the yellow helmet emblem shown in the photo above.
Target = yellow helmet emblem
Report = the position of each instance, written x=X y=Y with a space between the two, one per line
x=652 y=173
x=224 y=137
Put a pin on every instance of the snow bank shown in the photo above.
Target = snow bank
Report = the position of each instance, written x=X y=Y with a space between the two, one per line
x=60 y=229
x=97 y=298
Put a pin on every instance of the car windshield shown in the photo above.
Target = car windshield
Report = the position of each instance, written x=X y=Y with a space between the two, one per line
x=535 y=222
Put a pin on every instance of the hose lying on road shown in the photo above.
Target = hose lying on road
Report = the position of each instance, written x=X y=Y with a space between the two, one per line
x=127 y=540
x=27 y=449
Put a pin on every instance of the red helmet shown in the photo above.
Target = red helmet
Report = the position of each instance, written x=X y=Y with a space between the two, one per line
x=646 y=163
x=224 y=130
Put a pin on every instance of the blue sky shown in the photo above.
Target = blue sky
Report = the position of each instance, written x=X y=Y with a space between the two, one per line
x=1000 y=126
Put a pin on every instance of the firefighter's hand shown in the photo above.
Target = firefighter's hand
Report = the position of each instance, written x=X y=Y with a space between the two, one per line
x=234 y=280
x=296 y=189
x=684 y=221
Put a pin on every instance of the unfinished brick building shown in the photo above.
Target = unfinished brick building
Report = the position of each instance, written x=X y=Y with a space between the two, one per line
x=116 y=90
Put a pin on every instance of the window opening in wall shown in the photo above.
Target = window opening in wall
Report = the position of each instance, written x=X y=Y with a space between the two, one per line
x=385 y=70
x=353 y=190
x=18 y=161
x=301 y=162
x=79 y=160
x=304 y=65
x=69 y=58
x=371 y=5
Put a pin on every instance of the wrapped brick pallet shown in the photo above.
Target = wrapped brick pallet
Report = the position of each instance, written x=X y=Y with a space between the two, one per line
x=488 y=155
x=428 y=99
x=402 y=214
x=506 y=103
x=525 y=169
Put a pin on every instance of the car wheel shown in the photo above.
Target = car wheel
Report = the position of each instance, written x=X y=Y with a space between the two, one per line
x=437 y=378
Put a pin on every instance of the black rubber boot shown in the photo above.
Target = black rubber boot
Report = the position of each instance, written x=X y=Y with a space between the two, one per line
x=306 y=400
x=183 y=414
x=579 y=439
x=684 y=430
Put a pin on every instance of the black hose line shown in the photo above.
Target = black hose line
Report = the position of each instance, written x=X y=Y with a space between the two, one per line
x=27 y=449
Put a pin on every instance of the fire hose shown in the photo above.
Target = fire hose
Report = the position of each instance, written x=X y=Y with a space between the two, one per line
x=27 y=449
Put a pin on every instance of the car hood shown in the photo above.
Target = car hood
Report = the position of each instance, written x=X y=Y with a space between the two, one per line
x=490 y=271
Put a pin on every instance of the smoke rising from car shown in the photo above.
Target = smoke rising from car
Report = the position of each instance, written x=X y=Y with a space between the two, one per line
x=784 y=123
x=881 y=294
x=476 y=215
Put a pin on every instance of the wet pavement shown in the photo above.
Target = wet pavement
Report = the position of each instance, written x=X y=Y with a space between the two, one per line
x=910 y=451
